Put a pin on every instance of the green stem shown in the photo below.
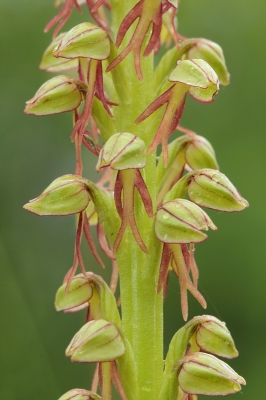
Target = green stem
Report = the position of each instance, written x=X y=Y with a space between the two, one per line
x=142 y=316
x=142 y=307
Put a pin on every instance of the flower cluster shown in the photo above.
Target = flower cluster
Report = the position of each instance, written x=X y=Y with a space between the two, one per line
x=147 y=205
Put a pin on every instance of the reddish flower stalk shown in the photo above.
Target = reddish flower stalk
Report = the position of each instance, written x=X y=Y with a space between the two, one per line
x=95 y=86
x=78 y=260
x=108 y=374
x=180 y=269
x=62 y=16
x=148 y=12
x=175 y=100
x=100 y=18
x=181 y=263
x=126 y=182
x=172 y=9
x=104 y=243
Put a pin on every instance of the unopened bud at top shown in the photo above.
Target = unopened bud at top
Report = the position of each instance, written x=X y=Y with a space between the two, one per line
x=122 y=151
x=59 y=94
x=66 y=195
x=200 y=76
x=212 y=189
x=181 y=221
x=204 y=374
x=97 y=341
x=208 y=51
x=84 y=40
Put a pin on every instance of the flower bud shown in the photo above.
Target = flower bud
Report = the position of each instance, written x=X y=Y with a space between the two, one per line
x=66 y=195
x=84 y=40
x=79 y=292
x=200 y=154
x=90 y=289
x=50 y=63
x=213 y=336
x=80 y=394
x=181 y=221
x=210 y=335
x=212 y=189
x=59 y=94
x=122 y=151
x=199 y=75
x=204 y=374
x=97 y=341
x=208 y=51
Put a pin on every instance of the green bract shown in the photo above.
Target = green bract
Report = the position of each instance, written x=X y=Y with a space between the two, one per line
x=84 y=40
x=122 y=151
x=96 y=341
x=59 y=94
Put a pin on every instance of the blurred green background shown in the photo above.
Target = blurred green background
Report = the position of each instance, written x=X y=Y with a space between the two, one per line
x=36 y=252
